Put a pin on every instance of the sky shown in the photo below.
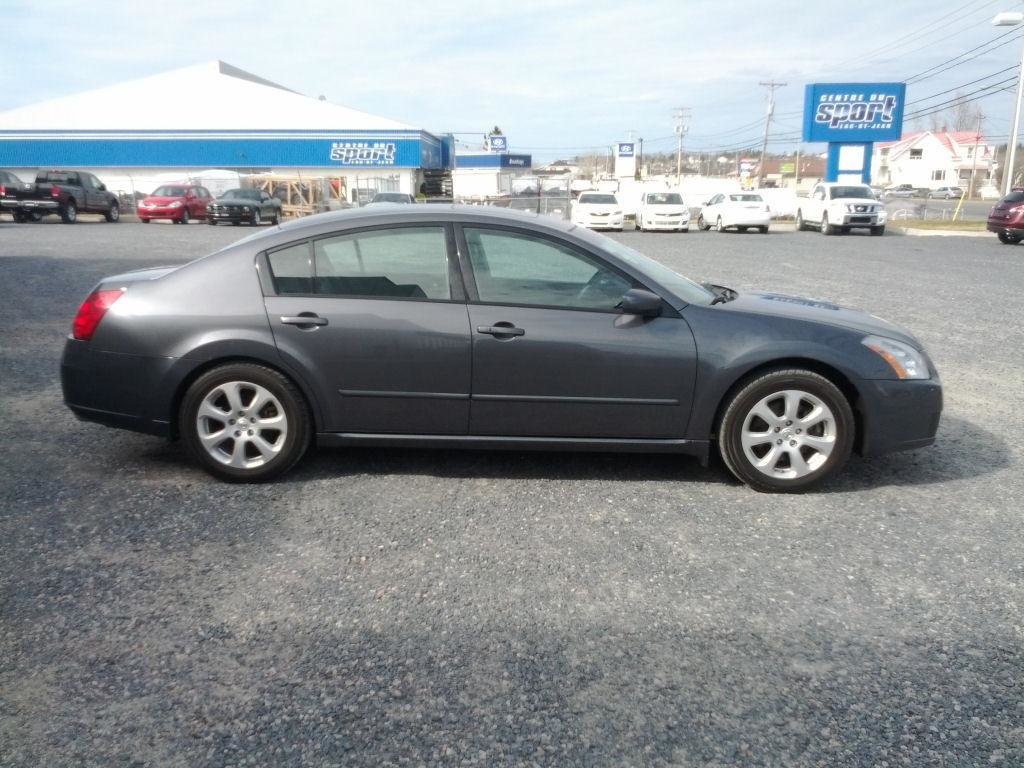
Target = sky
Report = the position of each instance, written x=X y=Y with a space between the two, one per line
x=559 y=78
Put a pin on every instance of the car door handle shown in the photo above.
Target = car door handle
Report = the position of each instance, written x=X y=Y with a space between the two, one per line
x=501 y=330
x=307 y=319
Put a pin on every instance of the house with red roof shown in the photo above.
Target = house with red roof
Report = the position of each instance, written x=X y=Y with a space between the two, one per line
x=932 y=159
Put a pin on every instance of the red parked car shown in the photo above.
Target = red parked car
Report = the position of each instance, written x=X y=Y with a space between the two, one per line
x=1006 y=218
x=177 y=202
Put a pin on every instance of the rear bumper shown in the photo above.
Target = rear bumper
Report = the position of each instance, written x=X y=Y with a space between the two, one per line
x=898 y=415
x=123 y=391
x=1015 y=228
x=31 y=205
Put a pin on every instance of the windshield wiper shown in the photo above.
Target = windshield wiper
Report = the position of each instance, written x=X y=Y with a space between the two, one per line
x=722 y=294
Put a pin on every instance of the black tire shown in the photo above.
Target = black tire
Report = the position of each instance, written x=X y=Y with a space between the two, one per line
x=763 y=230
x=276 y=219
x=257 y=219
x=1007 y=239
x=637 y=225
x=741 y=406
x=800 y=225
x=144 y=221
x=296 y=412
x=20 y=217
x=718 y=225
x=185 y=218
x=701 y=224
x=113 y=214
x=877 y=231
x=744 y=230
x=826 y=228
x=211 y=222
x=69 y=213
x=34 y=216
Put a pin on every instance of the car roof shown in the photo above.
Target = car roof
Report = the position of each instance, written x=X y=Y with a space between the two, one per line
x=354 y=218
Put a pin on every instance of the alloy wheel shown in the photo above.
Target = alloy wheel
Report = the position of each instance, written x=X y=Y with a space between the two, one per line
x=788 y=434
x=241 y=424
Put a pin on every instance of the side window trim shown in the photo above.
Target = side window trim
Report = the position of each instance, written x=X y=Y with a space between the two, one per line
x=470 y=277
x=455 y=280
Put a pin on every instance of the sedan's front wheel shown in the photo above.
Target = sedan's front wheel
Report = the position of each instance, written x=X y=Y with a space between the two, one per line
x=785 y=431
x=245 y=422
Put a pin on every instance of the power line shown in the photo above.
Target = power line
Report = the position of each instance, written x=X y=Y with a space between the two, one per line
x=963 y=99
x=923 y=75
x=962 y=85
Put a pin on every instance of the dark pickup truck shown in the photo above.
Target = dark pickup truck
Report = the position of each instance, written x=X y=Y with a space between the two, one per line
x=66 y=193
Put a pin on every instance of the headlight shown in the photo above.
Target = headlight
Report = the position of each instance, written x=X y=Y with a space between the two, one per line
x=905 y=361
x=245 y=208
x=143 y=204
x=175 y=204
x=617 y=213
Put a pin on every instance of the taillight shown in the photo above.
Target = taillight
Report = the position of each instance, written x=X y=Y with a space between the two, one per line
x=91 y=312
x=54 y=191
x=3 y=190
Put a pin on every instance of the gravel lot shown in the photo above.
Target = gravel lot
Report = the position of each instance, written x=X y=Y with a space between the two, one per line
x=392 y=608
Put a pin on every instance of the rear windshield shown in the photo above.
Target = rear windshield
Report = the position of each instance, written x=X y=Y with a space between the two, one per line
x=1013 y=197
x=665 y=198
x=599 y=199
x=746 y=198
x=58 y=177
x=391 y=197
x=169 y=191
x=837 y=192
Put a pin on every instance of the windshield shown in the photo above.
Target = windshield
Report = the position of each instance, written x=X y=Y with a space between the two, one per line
x=169 y=191
x=599 y=199
x=837 y=192
x=665 y=198
x=746 y=198
x=241 y=194
x=1013 y=197
x=391 y=197
x=683 y=287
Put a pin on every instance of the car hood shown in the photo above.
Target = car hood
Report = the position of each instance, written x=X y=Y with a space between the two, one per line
x=234 y=201
x=818 y=311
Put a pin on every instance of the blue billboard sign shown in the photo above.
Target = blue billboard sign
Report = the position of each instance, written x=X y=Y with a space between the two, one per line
x=497 y=143
x=626 y=149
x=853 y=112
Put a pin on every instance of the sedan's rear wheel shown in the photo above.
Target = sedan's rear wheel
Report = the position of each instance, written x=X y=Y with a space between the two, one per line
x=787 y=430
x=245 y=422
x=185 y=218
x=1007 y=239
x=113 y=213
x=719 y=226
x=800 y=221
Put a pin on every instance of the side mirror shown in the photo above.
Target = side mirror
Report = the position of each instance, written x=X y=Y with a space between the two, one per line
x=103 y=187
x=637 y=301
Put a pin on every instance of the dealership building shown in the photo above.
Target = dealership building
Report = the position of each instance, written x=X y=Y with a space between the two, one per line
x=212 y=122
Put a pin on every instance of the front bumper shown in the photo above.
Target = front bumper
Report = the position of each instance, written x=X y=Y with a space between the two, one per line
x=229 y=215
x=161 y=212
x=898 y=415
x=671 y=225
x=857 y=219
x=600 y=222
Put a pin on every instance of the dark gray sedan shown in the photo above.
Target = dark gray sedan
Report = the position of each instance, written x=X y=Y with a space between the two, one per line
x=469 y=327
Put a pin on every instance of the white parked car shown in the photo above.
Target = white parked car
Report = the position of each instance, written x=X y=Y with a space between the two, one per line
x=597 y=210
x=663 y=210
x=989 y=192
x=740 y=210
x=833 y=207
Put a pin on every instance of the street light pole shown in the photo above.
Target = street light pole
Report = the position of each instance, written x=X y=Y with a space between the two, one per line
x=1012 y=19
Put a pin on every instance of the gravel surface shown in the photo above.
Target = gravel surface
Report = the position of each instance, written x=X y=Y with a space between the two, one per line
x=393 y=608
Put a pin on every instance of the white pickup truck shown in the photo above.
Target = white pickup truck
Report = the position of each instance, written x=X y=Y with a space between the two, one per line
x=834 y=207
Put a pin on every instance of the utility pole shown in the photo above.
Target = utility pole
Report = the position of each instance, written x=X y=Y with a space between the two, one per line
x=796 y=183
x=682 y=117
x=974 y=159
x=771 y=85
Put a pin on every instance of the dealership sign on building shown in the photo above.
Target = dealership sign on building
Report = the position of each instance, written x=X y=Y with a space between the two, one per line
x=851 y=117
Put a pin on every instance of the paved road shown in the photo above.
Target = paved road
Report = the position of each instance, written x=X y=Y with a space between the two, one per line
x=389 y=608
